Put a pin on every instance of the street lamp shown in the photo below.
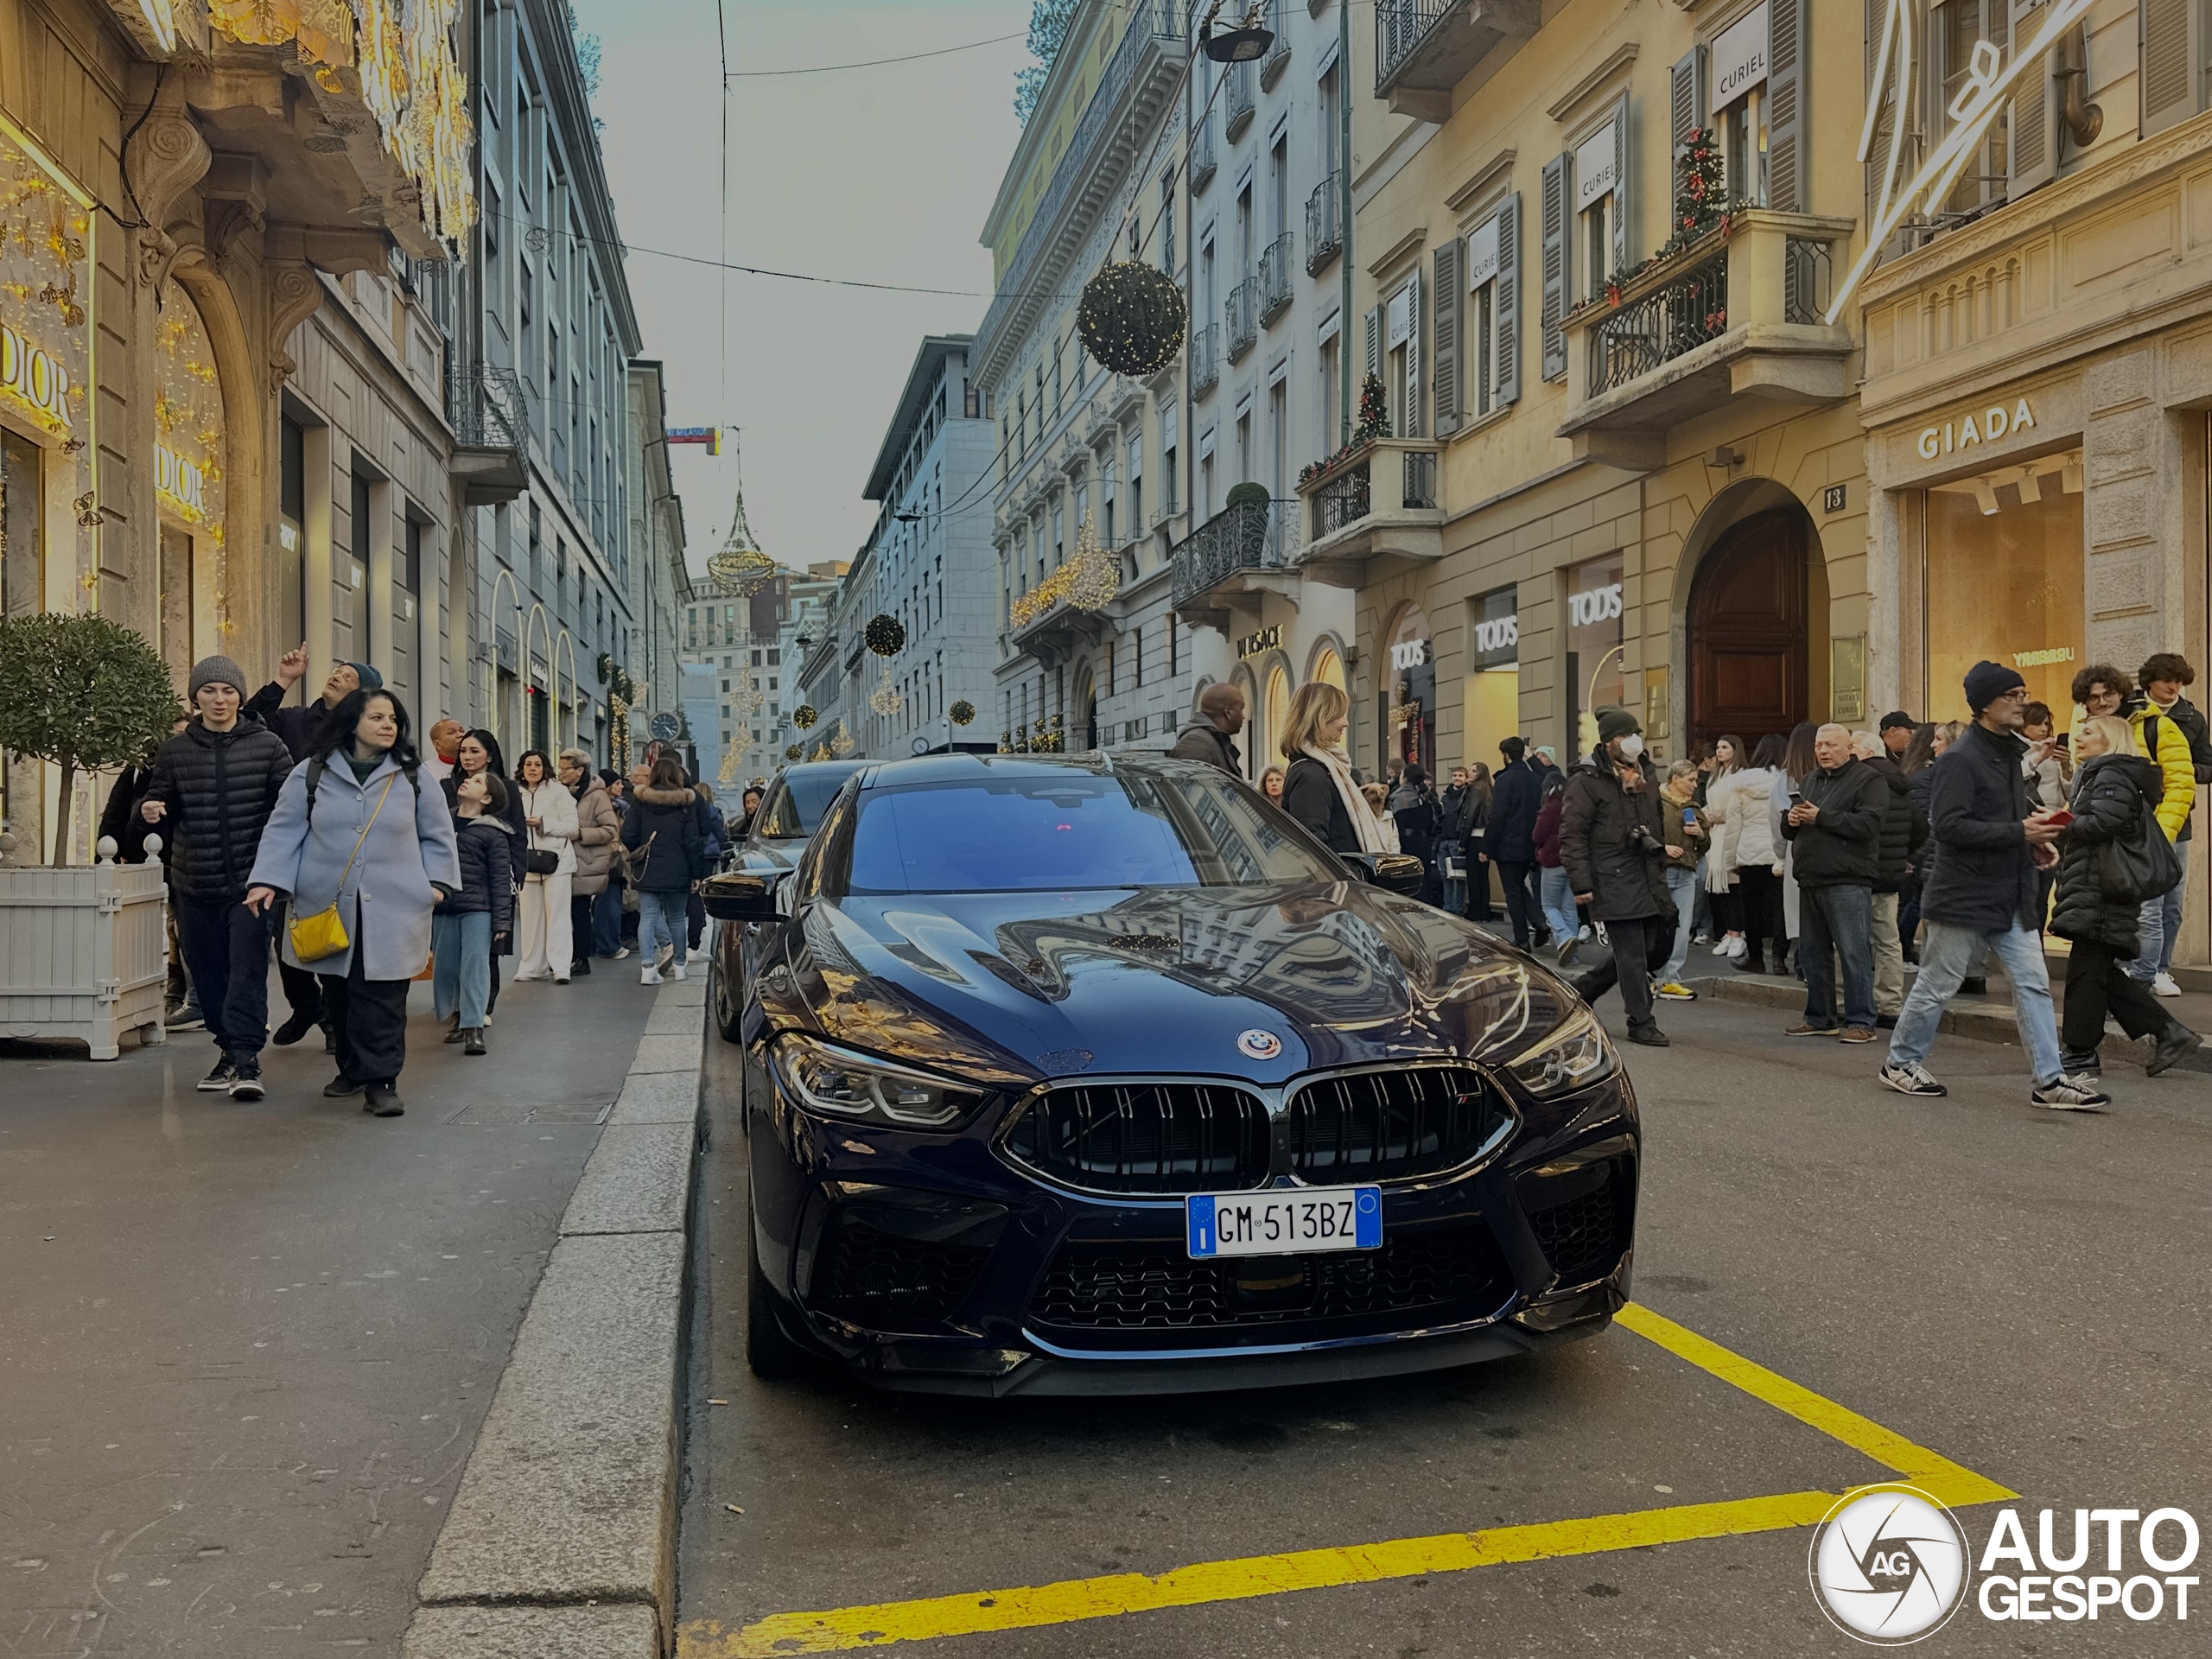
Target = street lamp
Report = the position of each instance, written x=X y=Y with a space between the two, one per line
x=1243 y=44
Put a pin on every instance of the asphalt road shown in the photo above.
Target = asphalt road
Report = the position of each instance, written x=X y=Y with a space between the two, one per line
x=2021 y=1292
x=246 y=1350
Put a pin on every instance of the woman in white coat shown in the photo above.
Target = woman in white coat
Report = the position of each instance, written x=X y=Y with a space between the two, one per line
x=548 y=816
x=1759 y=794
x=1728 y=757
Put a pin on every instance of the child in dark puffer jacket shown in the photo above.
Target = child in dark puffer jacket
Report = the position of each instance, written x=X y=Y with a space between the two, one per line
x=469 y=922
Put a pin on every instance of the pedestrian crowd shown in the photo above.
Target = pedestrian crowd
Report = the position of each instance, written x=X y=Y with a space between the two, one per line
x=321 y=829
x=1832 y=856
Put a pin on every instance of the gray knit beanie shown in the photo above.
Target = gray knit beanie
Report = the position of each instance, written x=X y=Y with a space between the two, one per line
x=215 y=671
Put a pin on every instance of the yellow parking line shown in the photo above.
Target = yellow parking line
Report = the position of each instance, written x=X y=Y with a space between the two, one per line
x=1951 y=1483
x=841 y=1630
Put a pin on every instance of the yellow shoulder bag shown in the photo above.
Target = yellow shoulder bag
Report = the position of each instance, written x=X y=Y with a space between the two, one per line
x=323 y=934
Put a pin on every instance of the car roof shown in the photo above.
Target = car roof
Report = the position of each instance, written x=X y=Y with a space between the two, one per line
x=800 y=771
x=968 y=768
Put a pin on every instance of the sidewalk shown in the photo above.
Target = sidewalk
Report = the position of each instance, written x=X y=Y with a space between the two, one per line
x=250 y=1347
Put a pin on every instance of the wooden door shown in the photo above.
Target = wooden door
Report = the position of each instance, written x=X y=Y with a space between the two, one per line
x=1748 y=647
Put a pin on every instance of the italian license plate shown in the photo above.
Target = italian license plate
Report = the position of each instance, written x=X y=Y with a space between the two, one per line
x=1285 y=1222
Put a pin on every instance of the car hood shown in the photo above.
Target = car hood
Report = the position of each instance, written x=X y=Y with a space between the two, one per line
x=1013 y=987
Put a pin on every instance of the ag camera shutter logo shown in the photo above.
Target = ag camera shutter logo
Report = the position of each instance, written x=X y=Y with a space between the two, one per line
x=1888 y=1566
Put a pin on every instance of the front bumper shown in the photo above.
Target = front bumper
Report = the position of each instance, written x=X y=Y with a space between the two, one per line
x=930 y=1264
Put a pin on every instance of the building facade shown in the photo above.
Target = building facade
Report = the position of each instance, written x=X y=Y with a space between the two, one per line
x=1264 y=200
x=732 y=653
x=165 y=241
x=1089 y=652
x=1622 y=460
x=929 y=565
x=2039 y=364
x=539 y=394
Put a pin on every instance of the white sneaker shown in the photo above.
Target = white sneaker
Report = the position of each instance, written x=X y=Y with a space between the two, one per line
x=1583 y=932
x=1723 y=944
x=651 y=976
x=622 y=953
x=2164 y=986
x=1738 y=947
x=677 y=971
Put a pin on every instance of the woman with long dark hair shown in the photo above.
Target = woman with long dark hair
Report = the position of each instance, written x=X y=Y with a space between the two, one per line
x=663 y=824
x=1799 y=762
x=479 y=752
x=1756 y=846
x=1722 y=882
x=356 y=834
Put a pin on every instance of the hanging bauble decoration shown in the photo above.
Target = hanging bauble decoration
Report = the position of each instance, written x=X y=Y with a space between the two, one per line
x=886 y=700
x=1132 y=318
x=842 y=744
x=886 y=634
x=804 y=716
x=962 y=712
x=791 y=751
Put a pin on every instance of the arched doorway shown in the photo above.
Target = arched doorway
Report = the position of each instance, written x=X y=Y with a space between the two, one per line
x=1748 y=654
x=1269 y=739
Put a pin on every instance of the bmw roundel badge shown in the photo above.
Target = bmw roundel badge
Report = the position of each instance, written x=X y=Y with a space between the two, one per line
x=1259 y=1044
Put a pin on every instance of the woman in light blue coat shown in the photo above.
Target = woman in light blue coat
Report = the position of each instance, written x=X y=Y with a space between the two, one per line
x=357 y=828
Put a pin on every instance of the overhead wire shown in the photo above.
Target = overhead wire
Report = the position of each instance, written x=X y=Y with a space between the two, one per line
x=871 y=63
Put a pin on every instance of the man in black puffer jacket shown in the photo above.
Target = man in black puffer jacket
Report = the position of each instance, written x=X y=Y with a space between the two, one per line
x=1612 y=841
x=214 y=786
x=1903 y=832
x=1511 y=840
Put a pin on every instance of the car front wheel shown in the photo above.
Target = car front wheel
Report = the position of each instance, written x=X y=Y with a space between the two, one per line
x=729 y=1015
x=773 y=1356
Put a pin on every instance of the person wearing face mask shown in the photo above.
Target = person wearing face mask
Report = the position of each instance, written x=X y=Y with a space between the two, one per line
x=1615 y=837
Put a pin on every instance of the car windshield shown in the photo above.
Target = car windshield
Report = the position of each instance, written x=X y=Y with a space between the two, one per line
x=797 y=804
x=1075 y=829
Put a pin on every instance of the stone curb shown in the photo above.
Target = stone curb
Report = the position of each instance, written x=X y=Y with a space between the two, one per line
x=1982 y=1022
x=562 y=1538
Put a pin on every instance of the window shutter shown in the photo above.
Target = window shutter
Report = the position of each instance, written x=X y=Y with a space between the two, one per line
x=1374 y=346
x=1788 y=25
x=2032 y=147
x=1623 y=190
x=2171 y=46
x=1451 y=301
x=1886 y=123
x=1556 y=241
x=1686 y=100
x=1415 y=329
x=1506 y=307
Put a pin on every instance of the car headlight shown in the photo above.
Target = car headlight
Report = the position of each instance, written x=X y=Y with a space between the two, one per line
x=1573 y=1056
x=841 y=1082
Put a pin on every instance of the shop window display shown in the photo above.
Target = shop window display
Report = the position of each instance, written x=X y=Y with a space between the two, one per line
x=2006 y=584
x=1595 y=640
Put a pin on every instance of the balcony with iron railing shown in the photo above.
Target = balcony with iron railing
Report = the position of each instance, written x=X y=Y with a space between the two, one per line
x=485 y=406
x=1374 y=513
x=1240 y=317
x=1236 y=99
x=1737 y=314
x=1424 y=49
x=1202 y=164
x=1278 y=58
x=1206 y=366
x=1229 y=562
x=1324 y=224
x=1274 y=278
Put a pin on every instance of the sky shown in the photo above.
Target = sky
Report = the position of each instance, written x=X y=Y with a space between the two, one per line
x=880 y=175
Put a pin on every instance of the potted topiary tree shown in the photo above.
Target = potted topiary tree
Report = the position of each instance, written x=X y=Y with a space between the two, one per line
x=83 y=948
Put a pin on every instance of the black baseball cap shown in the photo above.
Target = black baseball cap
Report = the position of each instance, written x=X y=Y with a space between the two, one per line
x=1897 y=717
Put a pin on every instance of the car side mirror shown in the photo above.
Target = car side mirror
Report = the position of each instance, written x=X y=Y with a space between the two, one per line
x=739 y=896
x=1398 y=873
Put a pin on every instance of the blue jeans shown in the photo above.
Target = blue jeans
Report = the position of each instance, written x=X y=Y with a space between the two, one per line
x=1839 y=922
x=661 y=920
x=461 y=965
x=607 y=920
x=1944 y=956
x=1557 y=895
x=2159 y=923
x=1683 y=888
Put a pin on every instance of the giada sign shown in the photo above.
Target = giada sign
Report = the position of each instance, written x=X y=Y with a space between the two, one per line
x=1987 y=427
x=181 y=486
x=31 y=376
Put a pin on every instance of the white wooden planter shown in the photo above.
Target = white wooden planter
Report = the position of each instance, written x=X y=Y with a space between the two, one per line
x=84 y=952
